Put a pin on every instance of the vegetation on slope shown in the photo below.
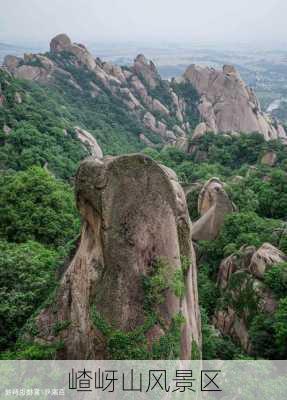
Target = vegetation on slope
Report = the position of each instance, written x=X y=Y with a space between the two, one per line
x=259 y=192
x=38 y=219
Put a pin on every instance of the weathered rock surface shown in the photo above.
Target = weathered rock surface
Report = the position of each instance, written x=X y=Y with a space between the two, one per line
x=134 y=213
x=62 y=43
x=138 y=87
x=200 y=130
x=213 y=205
x=89 y=142
x=227 y=104
x=224 y=103
x=147 y=70
x=266 y=256
x=12 y=62
x=241 y=280
x=269 y=158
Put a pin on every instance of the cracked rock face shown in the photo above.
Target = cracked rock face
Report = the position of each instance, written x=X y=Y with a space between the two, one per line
x=228 y=105
x=134 y=213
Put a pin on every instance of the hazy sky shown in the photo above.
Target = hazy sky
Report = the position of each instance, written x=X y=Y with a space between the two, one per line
x=144 y=20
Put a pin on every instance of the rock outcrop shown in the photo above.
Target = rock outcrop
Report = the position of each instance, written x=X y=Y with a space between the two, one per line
x=241 y=280
x=213 y=205
x=33 y=67
x=62 y=43
x=147 y=70
x=139 y=88
x=134 y=217
x=89 y=142
x=269 y=158
x=216 y=101
x=266 y=256
x=227 y=104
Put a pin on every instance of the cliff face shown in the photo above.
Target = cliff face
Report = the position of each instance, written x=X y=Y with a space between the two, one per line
x=134 y=268
x=228 y=105
x=169 y=112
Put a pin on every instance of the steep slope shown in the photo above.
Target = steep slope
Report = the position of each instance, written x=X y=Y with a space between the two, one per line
x=163 y=112
x=138 y=90
x=36 y=129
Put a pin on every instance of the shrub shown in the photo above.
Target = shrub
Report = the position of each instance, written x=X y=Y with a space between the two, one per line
x=27 y=275
x=276 y=279
x=36 y=206
x=280 y=327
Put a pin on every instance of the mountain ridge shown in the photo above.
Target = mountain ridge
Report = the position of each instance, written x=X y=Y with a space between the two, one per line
x=202 y=100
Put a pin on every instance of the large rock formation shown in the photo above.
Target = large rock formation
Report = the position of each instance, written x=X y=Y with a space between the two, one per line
x=135 y=226
x=215 y=101
x=139 y=88
x=89 y=142
x=33 y=67
x=266 y=256
x=270 y=159
x=147 y=70
x=228 y=105
x=62 y=43
x=241 y=281
x=213 y=205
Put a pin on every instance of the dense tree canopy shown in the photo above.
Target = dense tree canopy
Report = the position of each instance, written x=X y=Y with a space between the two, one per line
x=35 y=206
x=27 y=275
x=39 y=155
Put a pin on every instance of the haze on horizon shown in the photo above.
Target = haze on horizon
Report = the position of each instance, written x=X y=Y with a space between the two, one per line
x=223 y=21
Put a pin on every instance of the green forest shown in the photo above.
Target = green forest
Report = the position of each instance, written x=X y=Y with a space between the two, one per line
x=39 y=222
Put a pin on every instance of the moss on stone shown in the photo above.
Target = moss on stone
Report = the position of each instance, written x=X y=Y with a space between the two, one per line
x=168 y=346
x=133 y=345
x=59 y=326
x=161 y=279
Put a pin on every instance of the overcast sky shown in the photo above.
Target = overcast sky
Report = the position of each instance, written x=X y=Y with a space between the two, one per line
x=144 y=20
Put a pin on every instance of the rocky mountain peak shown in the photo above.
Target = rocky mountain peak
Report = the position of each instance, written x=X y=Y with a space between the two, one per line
x=227 y=104
x=147 y=70
x=60 y=43
x=230 y=70
x=133 y=87
x=140 y=58
x=211 y=100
